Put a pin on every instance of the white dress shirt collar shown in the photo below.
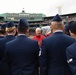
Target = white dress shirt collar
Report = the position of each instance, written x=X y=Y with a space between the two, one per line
x=21 y=34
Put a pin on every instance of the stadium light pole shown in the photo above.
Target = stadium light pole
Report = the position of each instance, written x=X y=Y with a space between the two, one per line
x=59 y=7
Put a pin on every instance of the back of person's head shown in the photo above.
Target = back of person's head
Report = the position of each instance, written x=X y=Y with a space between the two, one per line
x=10 y=27
x=67 y=26
x=2 y=29
x=23 y=26
x=72 y=27
x=57 y=23
x=71 y=22
x=66 y=29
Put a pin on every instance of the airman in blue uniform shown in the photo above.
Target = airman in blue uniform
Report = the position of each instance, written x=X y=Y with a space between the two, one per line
x=10 y=30
x=71 y=50
x=53 y=54
x=2 y=31
x=23 y=53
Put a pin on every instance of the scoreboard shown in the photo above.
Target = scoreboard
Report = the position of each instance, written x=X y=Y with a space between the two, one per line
x=18 y=16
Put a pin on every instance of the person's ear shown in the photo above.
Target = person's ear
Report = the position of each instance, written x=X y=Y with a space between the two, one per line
x=28 y=30
x=72 y=34
x=51 y=27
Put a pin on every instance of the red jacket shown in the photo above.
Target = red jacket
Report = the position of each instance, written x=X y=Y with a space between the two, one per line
x=39 y=39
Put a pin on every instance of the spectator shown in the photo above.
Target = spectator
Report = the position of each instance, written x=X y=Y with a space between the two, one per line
x=38 y=36
x=71 y=50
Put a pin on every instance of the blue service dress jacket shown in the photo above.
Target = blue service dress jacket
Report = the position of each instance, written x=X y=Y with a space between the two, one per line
x=71 y=57
x=22 y=55
x=4 y=69
x=1 y=37
x=53 y=54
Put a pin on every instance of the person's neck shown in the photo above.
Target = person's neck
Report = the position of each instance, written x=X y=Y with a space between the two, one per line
x=1 y=35
x=21 y=34
x=58 y=30
x=74 y=37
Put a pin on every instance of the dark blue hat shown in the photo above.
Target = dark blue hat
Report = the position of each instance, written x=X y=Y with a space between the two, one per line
x=57 y=18
x=10 y=24
x=3 y=26
x=23 y=23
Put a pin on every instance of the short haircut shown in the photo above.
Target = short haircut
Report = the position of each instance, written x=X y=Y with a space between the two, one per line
x=58 y=25
x=2 y=31
x=23 y=29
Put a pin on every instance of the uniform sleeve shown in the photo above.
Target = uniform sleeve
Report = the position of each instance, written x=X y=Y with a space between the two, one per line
x=2 y=51
x=7 y=56
x=43 y=59
x=71 y=61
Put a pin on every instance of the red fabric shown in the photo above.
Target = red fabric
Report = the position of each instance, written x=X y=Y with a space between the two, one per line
x=48 y=34
x=39 y=39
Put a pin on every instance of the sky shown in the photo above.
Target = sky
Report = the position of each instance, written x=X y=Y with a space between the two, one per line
x=47 y=7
